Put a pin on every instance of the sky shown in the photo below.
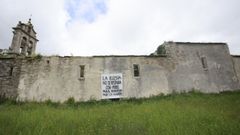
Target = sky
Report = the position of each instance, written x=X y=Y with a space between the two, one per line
x=121 y=27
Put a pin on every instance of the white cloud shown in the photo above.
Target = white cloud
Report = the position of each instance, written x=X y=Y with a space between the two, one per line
x=124 y=27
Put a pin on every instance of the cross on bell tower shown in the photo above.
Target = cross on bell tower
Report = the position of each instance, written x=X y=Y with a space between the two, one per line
x=24 y=39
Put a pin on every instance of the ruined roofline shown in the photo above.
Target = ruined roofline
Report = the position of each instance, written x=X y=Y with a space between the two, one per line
x=195 y=43
x=101 y=56
x=97 y=56
x=128 y=56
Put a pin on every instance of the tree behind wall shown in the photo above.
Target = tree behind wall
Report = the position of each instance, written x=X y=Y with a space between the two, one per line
x=160 y=51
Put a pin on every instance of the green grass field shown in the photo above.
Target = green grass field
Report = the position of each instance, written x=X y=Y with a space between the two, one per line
x=182 y=114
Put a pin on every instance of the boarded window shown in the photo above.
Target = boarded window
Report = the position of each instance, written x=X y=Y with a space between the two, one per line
x=136 y=70
x=82 y=68
x=204 y=62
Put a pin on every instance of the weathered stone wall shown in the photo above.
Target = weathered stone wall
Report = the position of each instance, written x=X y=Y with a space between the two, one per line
x=236 y=60
x=204 y=67
x=219 y=74
x=9 y=77
x=57 y=78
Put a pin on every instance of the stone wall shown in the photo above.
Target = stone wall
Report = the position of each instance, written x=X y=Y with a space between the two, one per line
x=10 y=69
x=202 y=66
x=236 y=60
x=57 y=78
x=187 y=66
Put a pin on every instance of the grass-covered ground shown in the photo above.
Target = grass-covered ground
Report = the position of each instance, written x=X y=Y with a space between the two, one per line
x=183 y=114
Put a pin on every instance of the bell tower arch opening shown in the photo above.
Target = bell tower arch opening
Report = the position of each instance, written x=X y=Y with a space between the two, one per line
x=24 y=39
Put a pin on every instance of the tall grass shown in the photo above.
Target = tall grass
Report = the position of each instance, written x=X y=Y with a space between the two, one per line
x=186 y=114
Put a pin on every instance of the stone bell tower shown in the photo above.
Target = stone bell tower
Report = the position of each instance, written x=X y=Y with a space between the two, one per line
x=24 y=39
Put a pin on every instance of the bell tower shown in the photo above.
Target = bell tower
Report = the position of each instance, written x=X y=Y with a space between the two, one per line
x=24 y=39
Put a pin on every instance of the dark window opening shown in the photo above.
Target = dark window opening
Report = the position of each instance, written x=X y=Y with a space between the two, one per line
x=29 y=49
x=30 y=43
x=23 y=48
x=136 y=70
x=204 y=62
x=11 y=71
x=24 y=39
x=82 y=68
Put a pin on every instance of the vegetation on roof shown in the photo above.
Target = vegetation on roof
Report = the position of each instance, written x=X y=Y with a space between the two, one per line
x=160 y=51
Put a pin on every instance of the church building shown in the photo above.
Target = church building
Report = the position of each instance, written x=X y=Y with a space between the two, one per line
x=174 y=67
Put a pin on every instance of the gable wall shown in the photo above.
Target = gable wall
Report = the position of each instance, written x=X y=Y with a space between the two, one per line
x=190 y=74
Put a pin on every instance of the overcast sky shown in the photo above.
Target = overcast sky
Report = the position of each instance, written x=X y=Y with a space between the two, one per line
x=120 y=27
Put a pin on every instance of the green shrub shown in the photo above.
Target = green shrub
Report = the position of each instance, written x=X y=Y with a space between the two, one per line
x=70 y=101
x=3 y=99
x=38 y=56
x=49 y=102
x=161 y=50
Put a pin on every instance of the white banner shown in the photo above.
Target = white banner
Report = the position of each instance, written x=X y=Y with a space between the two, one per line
x=112 y=86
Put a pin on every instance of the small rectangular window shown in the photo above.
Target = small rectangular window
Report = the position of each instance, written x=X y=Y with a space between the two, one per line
x=204 y=62
x=136 y=70
x=82 y=68
x=11 y=71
